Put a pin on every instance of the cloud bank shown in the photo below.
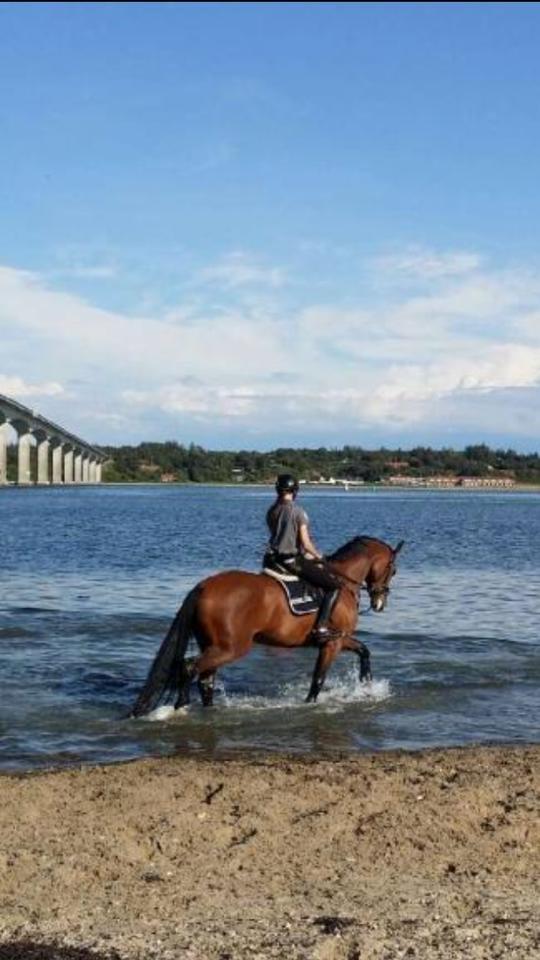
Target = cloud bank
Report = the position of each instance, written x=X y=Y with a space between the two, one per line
x=439 y=345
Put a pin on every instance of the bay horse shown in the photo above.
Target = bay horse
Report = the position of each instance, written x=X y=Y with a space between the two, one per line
x=228 y=612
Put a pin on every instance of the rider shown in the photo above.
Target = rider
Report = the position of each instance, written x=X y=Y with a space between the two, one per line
x=292 y=548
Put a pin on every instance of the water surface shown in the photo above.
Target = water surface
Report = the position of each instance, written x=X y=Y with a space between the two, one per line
x=92 y=576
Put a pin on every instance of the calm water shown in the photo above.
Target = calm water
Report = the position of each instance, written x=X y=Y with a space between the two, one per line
x=92 y=577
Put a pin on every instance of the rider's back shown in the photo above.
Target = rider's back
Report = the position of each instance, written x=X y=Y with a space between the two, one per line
x=284 y=520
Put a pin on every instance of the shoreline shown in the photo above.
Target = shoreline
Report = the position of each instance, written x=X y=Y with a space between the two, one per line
x=256 y=756
x=425 y=854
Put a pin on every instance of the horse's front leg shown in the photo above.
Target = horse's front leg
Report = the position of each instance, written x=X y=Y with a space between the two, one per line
x=327 y=655
x=356 y=646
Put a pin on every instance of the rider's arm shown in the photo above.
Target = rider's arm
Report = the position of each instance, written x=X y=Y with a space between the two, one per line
x=307 y=543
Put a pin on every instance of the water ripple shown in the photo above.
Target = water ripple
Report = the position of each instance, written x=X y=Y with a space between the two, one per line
x=92 y=578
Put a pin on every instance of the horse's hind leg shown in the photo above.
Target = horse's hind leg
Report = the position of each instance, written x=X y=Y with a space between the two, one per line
x=186 y=673
x=204 y=668
x=206 y=688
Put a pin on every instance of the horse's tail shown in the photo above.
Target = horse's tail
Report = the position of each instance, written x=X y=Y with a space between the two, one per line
x=162 y=679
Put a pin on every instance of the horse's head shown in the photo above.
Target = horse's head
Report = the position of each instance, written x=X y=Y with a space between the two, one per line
x=380 y=573
x=365 y=560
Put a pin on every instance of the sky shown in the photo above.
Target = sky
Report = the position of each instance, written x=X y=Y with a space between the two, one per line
x=252 y=225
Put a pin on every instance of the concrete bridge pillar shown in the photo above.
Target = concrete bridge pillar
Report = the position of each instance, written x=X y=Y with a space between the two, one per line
x=59 y=457
x=3 y=455
x=24 y=474
x=43 y=461
x=57 y=463
x=68 y=466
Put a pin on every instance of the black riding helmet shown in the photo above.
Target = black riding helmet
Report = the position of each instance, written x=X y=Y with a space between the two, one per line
x=286 y=483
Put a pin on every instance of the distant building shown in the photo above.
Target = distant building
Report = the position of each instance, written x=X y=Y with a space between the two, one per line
x=404 y=480
x=486 y=482
x=444 y=480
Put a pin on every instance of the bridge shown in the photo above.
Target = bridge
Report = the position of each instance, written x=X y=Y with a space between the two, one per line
x=62 y=458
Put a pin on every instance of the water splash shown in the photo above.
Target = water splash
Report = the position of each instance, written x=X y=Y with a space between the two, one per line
x=340 y=693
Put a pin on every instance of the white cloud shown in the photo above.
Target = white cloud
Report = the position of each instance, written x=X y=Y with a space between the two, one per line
x=69 y=330
x=416 y=359
x=16 y=387
x=426 y=264
x=408 y=390
x=239 y=269
x=528 y=326
x=202 y=401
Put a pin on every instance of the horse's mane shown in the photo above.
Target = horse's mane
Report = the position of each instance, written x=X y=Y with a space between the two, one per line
x=353 y=547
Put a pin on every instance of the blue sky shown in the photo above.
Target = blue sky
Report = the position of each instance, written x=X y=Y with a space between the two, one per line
x=272 y=224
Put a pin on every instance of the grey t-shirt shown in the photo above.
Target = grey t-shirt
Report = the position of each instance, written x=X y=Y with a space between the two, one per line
x=284 y=521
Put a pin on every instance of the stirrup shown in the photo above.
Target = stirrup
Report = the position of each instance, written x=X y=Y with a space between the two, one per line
x=323 y=634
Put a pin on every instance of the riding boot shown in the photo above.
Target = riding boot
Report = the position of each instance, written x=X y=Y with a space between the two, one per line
x=321 y=631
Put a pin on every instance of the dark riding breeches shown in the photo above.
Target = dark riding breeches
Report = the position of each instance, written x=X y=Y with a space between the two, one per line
x=314 y=572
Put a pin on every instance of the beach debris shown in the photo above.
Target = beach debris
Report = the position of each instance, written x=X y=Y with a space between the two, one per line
x=213 y=792
x=333 y=926
x=238 y=841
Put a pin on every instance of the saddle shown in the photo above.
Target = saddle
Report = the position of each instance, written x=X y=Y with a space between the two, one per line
x=302 y=597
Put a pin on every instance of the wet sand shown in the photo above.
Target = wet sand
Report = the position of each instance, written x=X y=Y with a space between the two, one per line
x=396 y=855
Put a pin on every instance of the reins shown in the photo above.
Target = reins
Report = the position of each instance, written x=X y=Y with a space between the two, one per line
x=355 y=583
x=376 y=591
x=358 y=584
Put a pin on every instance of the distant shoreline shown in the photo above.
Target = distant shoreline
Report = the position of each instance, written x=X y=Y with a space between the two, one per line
x=517 y=488
x=408 y=488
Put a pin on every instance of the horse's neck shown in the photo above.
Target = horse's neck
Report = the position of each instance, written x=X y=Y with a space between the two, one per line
x=354 y=567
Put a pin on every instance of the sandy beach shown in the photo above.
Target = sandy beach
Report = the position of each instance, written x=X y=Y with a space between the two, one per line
x=398 y=855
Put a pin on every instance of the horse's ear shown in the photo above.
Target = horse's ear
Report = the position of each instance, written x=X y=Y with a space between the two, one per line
x=398 y=548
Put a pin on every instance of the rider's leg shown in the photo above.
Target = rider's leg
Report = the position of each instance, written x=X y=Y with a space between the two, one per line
x=320 y=576
x=321 y=630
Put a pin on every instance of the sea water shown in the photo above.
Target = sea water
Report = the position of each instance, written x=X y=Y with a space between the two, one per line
x=92 y=576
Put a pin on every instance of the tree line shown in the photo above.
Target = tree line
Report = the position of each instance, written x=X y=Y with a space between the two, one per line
x=174 y=462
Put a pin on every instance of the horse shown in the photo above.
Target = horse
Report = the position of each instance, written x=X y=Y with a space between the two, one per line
x=230 y=611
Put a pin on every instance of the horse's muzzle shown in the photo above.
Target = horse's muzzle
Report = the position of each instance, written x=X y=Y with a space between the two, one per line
x=378 y=601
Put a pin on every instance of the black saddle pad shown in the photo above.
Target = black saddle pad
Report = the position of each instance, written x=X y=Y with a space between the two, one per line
x=302 y=597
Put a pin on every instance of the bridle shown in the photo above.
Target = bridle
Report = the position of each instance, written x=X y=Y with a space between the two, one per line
x=382 y=588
